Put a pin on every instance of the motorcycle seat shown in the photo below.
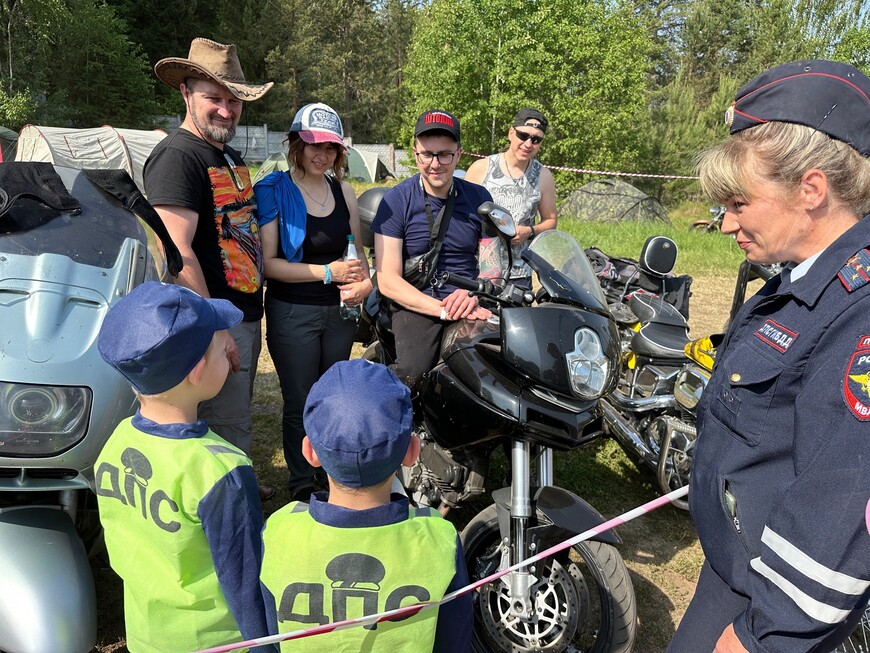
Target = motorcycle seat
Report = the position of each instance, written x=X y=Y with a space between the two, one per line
x=664 y=332
x=652 y=308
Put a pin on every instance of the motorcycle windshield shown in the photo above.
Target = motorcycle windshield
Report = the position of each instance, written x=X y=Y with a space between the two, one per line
x=92 y=235
x=563 y=269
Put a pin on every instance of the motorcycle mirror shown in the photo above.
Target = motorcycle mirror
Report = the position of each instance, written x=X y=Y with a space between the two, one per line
x=500 y=217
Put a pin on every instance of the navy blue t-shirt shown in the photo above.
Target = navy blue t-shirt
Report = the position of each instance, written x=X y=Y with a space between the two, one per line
x=402 y=214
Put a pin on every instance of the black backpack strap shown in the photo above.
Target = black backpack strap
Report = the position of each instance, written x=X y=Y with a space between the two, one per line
x=440 y=226
x=119 y=185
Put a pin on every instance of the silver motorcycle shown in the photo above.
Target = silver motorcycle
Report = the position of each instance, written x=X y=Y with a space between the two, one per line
x=652 y=412
x=70 y=247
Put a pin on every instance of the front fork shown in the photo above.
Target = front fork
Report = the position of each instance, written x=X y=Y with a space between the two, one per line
x=520 y=581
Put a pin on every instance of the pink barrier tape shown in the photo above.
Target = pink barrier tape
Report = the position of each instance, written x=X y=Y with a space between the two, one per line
x=607 y=173
x=410 y=610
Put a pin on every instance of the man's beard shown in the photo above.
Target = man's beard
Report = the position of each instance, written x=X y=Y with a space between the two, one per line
x=217 y=134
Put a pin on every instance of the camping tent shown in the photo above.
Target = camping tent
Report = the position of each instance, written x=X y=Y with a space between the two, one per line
x=7 y=144
x=100 y=147
x=611 y=200
x=362 y=165
x=273 y=163
x=366 y=166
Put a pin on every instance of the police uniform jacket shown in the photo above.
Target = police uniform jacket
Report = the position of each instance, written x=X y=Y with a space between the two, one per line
x=780 y=483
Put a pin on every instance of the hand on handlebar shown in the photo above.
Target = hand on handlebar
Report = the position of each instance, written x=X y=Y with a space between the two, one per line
x=459 y=304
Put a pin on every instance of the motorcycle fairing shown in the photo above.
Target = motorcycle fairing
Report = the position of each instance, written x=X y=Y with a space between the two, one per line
x=535 y=342
x=49 y=601
x=471 y=400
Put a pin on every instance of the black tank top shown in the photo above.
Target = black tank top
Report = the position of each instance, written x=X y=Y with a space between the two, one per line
x=325 y=240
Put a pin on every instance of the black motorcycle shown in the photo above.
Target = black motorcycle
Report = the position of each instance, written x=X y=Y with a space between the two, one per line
x=527 y=381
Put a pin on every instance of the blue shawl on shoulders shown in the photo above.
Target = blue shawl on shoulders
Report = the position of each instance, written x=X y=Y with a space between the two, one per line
x=278 y=197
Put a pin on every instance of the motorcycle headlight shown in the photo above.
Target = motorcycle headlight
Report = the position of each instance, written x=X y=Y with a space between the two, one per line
x=40 y=420
x=588 y=366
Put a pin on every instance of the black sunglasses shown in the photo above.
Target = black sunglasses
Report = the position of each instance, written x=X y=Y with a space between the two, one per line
x=524 y=136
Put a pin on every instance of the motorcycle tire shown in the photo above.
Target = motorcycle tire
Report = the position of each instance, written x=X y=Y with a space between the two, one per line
x=704 y=225
x=859 y=640
x=584 y=600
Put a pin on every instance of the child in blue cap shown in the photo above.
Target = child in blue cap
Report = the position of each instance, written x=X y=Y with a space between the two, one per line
x=358 y=549
x=179 y=504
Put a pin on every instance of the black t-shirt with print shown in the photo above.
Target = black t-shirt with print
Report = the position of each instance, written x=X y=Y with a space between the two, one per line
x=185 y=170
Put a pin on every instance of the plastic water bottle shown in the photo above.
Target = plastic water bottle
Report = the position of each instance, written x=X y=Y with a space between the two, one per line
x=349 y=312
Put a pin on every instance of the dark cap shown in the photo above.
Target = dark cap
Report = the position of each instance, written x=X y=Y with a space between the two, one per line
x=529 y=117
x=159 y=332
x=831 y=97
x=358 y=420
x=437 y=120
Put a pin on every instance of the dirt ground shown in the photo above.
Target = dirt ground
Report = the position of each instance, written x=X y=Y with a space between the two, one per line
x=661 y=549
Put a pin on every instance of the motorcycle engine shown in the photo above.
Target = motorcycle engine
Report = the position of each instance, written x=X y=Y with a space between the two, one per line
x=689 y=386
x=437 y=477
x=655 y=380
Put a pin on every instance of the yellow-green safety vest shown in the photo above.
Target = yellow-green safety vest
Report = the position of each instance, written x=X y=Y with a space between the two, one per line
x=322 y=574
x=148 y=492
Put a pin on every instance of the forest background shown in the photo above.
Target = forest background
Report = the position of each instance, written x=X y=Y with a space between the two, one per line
x=628 y=85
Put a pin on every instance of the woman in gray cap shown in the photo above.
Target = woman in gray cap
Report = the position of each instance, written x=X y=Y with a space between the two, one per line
x=518 y=182
x=779 y=488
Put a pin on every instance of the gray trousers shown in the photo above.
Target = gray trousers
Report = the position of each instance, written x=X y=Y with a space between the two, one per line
x=304 y=341
x=229 y=413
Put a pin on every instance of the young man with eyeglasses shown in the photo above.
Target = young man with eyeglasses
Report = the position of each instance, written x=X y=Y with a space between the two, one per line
x=519 y=183
x=402 y=231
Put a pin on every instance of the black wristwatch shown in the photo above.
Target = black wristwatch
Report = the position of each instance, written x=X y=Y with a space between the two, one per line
x=532 y=235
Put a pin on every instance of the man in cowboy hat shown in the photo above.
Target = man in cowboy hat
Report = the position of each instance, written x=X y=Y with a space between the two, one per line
x=202 y=189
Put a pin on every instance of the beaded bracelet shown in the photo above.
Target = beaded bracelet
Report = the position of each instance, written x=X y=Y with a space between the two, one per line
x=327 y=278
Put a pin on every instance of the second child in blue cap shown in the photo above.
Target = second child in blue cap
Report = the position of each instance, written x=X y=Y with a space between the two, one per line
x=179 y=504
x=358 y=549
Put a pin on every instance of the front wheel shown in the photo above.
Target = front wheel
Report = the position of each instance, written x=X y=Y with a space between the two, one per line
x=583 y=598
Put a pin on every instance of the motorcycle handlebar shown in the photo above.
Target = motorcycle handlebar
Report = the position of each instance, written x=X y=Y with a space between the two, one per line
x=508 y=295
x=452 y=279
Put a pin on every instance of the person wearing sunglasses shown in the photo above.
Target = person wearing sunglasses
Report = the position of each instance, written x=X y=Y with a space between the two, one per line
x=519 y=183
x=406 y=226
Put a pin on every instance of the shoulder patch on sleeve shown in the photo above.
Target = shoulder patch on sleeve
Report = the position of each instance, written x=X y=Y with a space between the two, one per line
x=856 y=383
x=855 y=274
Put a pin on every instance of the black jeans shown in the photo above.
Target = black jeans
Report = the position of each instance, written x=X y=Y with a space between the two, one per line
x=418 y=344
x=304 y=341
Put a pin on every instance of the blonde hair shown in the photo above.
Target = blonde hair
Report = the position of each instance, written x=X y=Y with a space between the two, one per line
x=780 y=153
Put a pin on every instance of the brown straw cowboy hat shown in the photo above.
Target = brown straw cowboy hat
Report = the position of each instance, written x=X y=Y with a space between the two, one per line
x=213 y=61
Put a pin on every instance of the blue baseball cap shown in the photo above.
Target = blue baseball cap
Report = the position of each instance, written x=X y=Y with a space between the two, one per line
x=358 y=420
x=831 y=97
x=156 y=334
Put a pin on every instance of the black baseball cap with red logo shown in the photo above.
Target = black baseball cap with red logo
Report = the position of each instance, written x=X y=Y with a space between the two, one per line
x=831 y=97
x=436 y=120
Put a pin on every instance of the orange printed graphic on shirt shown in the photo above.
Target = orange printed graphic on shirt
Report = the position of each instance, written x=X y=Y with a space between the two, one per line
x=237 y=230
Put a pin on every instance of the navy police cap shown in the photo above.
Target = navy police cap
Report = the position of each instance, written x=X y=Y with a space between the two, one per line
x=831 y=97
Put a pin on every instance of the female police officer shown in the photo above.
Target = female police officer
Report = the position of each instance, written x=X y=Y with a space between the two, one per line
x=780 y=484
